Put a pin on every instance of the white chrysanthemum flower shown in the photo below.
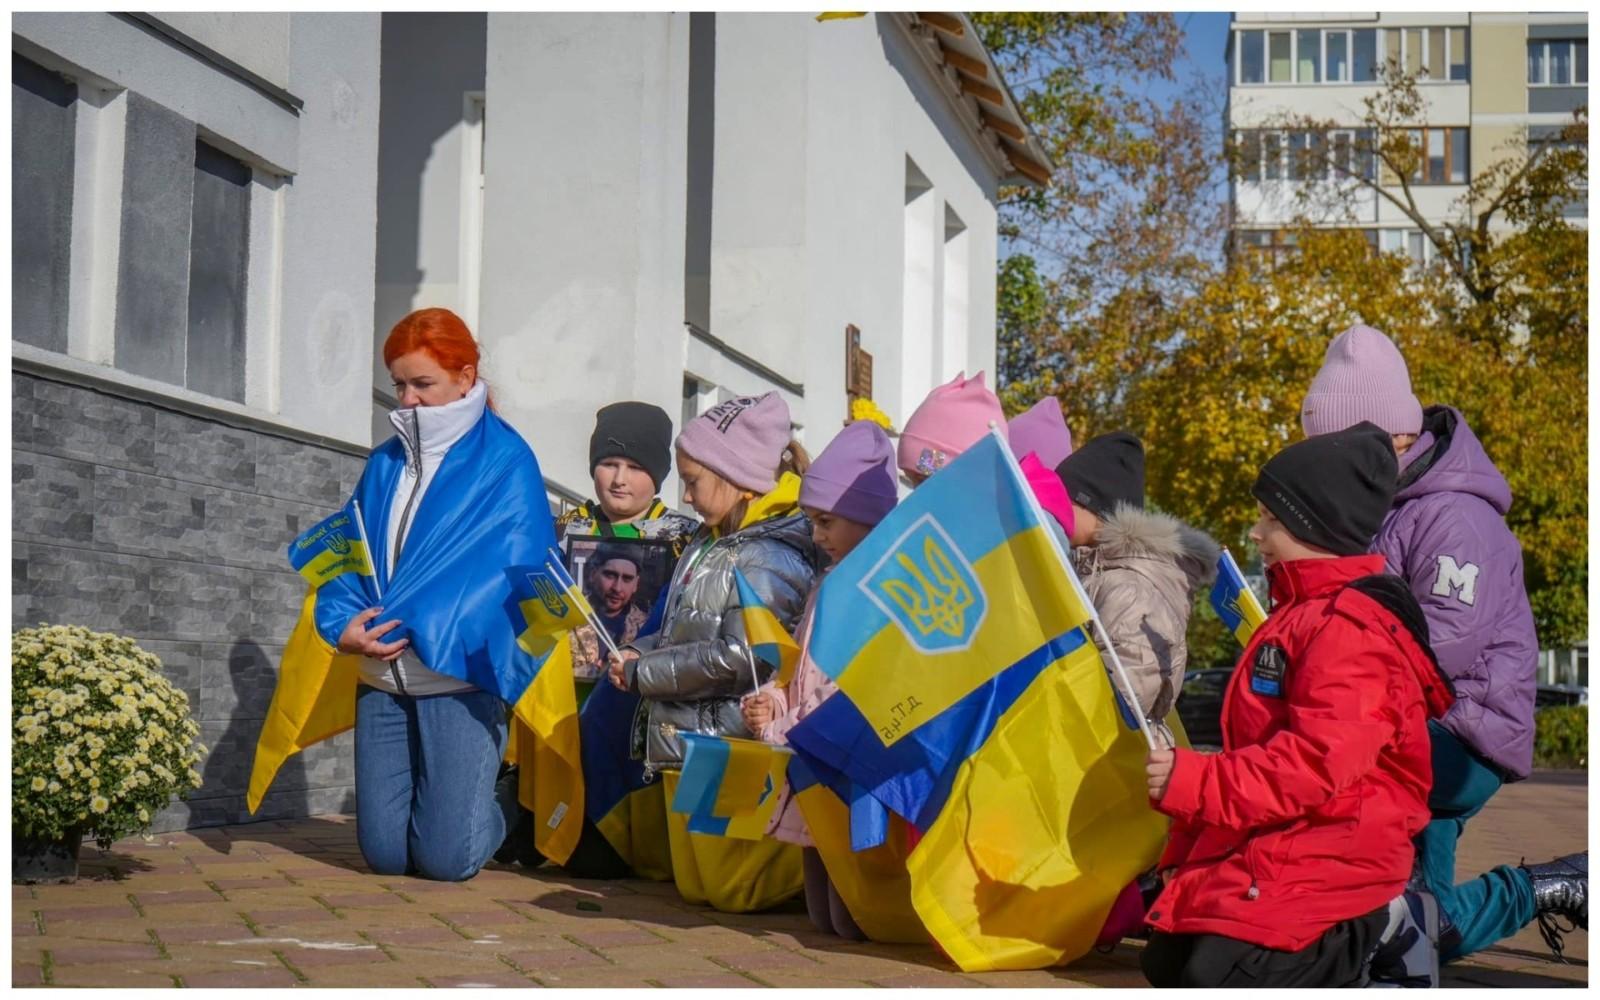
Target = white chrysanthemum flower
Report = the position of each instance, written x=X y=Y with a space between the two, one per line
x=99 y=804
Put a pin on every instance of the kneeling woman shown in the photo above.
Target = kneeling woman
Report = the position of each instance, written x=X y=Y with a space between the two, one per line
x=451 y=503
x=741 y=474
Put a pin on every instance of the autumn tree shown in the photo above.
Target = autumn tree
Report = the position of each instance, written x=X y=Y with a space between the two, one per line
x=1130 y=222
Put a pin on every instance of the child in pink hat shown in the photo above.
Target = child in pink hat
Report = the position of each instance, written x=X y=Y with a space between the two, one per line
x=953 y=418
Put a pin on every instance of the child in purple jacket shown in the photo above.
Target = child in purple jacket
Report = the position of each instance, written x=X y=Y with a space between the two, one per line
x=1446 y=535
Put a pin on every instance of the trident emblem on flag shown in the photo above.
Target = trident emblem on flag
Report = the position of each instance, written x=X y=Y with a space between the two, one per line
x=926 y=586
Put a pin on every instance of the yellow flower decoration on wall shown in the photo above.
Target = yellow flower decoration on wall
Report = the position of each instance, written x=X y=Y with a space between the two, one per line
x=866 y=409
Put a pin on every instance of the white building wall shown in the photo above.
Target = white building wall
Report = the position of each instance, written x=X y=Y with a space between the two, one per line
x=583 y=241
x=308 y=351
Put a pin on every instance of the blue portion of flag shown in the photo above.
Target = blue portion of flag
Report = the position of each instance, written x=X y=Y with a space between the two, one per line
x=913 y=776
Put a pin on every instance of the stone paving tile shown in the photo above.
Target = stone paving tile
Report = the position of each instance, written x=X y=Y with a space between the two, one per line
x=95 y=953
x=710 y=980
x=252 y=977
x=555 y=958
x=111 y=976
x=81 y=914
x=306 y=959
x=405 y=937
x=290 y=918
x=158 y=897
x=199 y=933
x=506 y=979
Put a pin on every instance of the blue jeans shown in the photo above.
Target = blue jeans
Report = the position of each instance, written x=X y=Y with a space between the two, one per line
x=425 y=777
x=1494 y=905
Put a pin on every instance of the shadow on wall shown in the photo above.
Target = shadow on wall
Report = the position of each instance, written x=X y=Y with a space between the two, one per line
x=225 y=775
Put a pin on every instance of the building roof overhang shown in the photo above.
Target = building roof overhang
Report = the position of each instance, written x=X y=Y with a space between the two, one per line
x=964 y=69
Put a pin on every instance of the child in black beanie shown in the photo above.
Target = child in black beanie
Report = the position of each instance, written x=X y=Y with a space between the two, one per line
x=1290 y=851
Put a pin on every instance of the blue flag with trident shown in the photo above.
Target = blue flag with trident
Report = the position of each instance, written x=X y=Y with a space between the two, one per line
x=1234 y=601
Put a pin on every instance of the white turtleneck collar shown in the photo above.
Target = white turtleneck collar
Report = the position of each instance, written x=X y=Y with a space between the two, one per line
x=432 y=430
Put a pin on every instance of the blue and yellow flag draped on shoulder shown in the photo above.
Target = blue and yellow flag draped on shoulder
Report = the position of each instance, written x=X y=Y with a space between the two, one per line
x=453 y=588
x=1233 y=600
x=1029 y=785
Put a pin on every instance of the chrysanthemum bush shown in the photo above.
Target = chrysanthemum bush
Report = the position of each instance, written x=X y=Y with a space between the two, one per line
x=101 y=740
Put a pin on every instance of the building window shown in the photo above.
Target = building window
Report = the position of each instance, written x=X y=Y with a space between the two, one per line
x=1338 y=49
x=1308 y=56
x=219 y=249
x=1251 y=58
x=1558 y=62
x=1279 y=57
x=1442 y=155
x=1350 y=55
x=1365 y=62
x=1334 y=155
x=184 y=256
x=44 y=108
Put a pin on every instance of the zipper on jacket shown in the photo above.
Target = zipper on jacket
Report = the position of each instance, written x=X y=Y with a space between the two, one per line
x=400 y=533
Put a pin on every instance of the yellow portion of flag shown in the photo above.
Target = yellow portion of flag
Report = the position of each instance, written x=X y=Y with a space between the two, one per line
x=552 y=610
x=315 y=699
x=840 y=15
x=329 y=563
x=636 y=828
x=544 y=744
x=1026 y=606
x=874 y=884
x=1045 y=825
x=732 y=875
x=751 y=779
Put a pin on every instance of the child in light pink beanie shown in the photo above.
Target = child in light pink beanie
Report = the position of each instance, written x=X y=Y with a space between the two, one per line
x=953 y=418
x=1042 y=430
x=1363 y=377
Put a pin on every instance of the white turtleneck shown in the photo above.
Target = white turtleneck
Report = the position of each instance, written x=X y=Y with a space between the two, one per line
x=427 y=433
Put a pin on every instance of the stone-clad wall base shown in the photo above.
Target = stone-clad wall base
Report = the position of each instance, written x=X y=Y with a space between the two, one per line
x=171 y=529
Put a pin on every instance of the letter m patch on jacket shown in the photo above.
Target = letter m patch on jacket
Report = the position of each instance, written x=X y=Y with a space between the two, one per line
x=1456 y=580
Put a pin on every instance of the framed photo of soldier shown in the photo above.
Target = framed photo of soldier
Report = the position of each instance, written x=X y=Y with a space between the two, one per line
x=621 y=578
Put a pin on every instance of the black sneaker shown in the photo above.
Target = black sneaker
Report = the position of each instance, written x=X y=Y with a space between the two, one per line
x=518 y=846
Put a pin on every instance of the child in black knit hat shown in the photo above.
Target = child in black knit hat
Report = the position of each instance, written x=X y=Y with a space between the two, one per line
x=1290 y=851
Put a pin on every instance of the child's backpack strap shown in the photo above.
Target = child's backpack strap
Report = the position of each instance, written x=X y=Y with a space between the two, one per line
x=1394 y=596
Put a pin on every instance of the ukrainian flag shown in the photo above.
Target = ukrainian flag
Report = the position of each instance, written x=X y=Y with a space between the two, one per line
x=484 y=511
x=769 y=641
x=333 y=546
x=549 y=603
x=627 y=810
x=871 y=879
x=1234 y=601
x=959 y=581
x=729 y=787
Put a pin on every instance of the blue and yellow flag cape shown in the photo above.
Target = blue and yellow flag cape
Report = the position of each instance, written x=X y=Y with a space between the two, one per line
x=1032 y=828
x=451 y=588
x=944 y=593
x=729 y=787
x=768 y=639
x=1234 y=601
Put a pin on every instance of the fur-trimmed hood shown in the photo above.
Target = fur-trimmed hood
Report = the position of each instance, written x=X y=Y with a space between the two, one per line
x=1133 y=534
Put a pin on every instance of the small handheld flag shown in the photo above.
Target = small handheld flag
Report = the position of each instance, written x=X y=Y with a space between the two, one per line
x=1234 y=601
x=729 y=786
x=333 y=546
x=550 y=604
x=768 y=639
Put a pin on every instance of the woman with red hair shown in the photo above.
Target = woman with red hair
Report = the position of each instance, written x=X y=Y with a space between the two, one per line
x=452 y=504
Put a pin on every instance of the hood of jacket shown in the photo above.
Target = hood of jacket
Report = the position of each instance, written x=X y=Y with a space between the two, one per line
x=1450 y=459
x=1132 y=534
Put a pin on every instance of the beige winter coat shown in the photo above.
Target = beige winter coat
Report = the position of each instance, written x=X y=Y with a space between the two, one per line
x=1142 y=575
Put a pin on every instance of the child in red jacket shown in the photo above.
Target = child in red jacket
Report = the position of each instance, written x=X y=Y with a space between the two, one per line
x=1288 y=848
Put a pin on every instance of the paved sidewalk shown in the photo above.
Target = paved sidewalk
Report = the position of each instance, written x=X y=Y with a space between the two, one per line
x=287 y=904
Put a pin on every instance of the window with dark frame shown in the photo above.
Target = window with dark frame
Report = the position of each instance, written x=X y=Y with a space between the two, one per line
x=44 y=107
x=219 y=250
